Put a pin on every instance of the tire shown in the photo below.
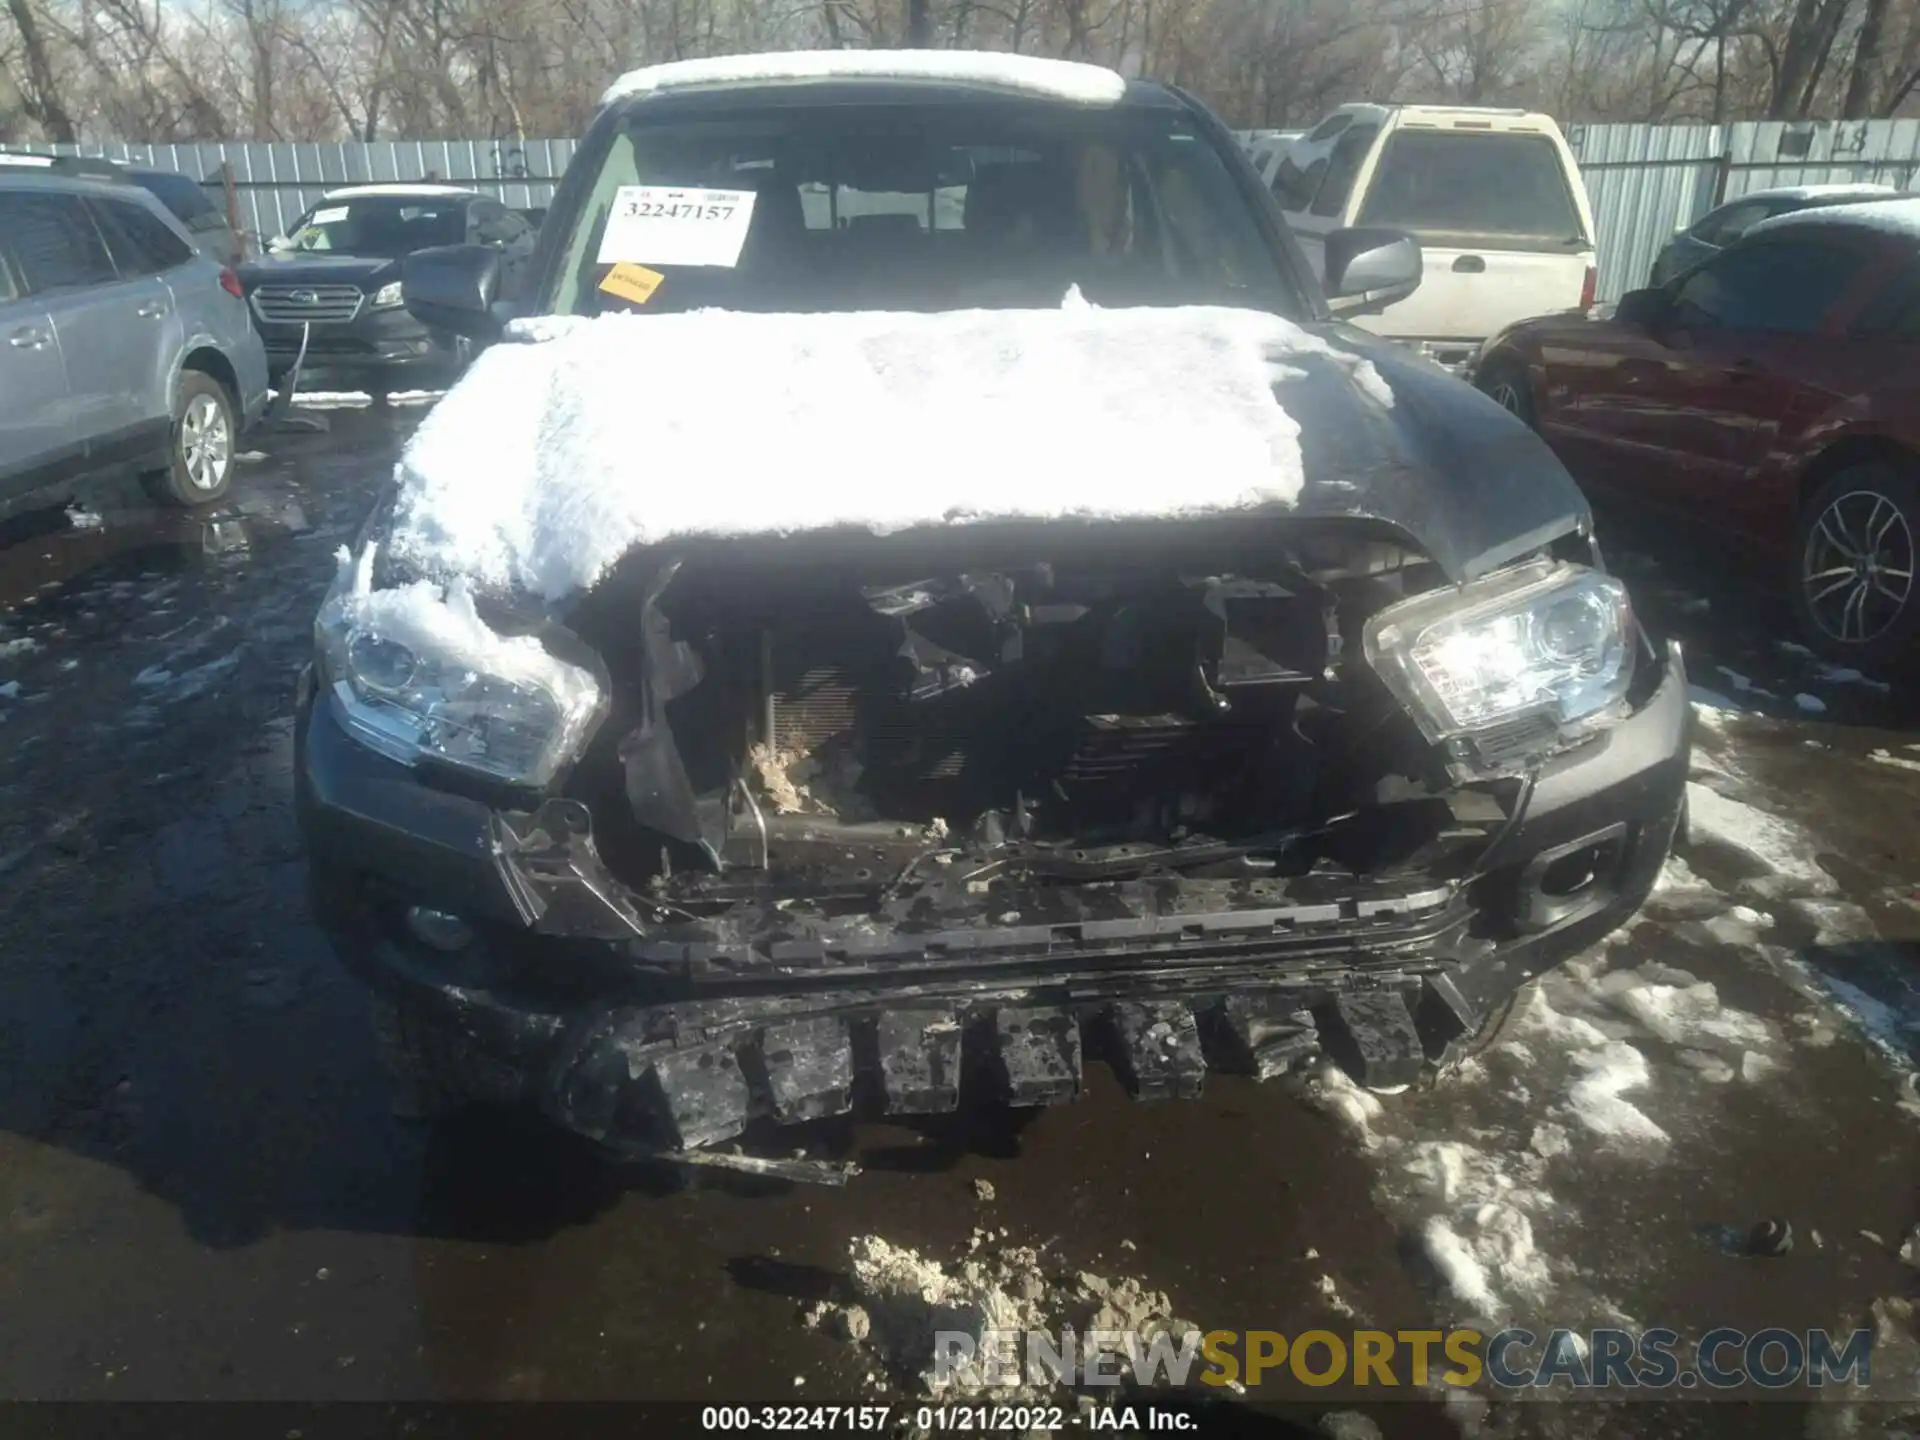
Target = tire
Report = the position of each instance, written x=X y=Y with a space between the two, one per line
x=1505 y=383
x=1855 y=550
x=200 y=444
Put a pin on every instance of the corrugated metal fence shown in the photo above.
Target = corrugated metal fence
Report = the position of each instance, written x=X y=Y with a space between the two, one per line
x=274 y=184
x=1646 y=181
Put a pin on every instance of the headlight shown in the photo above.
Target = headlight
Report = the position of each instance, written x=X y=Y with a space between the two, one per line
x=414 y=674
x=1542 y=640
x=387 y=296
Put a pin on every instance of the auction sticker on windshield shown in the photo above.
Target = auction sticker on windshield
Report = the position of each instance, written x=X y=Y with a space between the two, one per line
x=632 y=282
x=333 y=215
x=663 y=225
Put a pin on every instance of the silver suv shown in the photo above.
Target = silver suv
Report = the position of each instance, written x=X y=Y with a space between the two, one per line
x=120 y=345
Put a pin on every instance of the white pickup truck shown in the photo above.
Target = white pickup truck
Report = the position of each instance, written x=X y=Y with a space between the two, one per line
x=1494 y=197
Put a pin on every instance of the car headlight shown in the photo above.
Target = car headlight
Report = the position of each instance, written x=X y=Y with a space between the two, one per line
x=387 y=296
x=1543 y=640
x=415 y=674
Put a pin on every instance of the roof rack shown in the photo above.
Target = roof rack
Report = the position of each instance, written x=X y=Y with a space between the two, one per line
x=90 y=167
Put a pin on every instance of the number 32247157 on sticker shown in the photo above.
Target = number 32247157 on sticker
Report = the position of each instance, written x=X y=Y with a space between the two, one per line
x=676 y=225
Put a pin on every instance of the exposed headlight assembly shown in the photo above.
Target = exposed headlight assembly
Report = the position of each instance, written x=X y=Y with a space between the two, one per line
x=1544 y=641
x=415 y=674
x=387 y=296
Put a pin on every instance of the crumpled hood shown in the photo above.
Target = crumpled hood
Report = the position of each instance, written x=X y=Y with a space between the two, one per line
x=582 y=440
x=1465 y=481
x=369 y=272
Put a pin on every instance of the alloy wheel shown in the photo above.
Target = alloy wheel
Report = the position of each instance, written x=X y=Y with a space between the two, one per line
x=206 y=443
x=1856 y=574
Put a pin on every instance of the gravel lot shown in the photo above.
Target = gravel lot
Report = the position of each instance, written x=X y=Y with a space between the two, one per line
x=203 y=1193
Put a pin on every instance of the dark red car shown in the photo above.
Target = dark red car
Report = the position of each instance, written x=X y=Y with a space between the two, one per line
x=1771 y=394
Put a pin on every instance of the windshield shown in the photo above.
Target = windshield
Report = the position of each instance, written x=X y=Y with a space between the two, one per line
x=1452 y=182
x=922 y=208
x=384 y=225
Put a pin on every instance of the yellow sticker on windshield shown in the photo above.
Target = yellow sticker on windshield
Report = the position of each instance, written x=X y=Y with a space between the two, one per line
x=632 y=282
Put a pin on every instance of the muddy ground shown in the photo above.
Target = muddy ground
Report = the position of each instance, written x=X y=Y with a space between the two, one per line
x=204 y=1194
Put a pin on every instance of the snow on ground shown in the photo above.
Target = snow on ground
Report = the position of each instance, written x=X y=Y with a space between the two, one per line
x=1781 y=850
x=1469 y=1208
x=359 y=399
x=1620 y=1059
x=1743 y=683
x=1678 y=882
x=186 y=683
x=1712 y=709
x=1598 y=1059
x=608 y=433
x=1844 y=675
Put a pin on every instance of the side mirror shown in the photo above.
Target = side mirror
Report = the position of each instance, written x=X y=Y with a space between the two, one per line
x=1647 y=308
x=1368 y=268
x=454 y=287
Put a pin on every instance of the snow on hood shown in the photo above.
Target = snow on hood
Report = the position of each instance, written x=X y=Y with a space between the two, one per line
x=558 y=454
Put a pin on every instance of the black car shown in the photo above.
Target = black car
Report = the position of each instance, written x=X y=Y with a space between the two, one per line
x=327 y=295
x=1721 y=226
x=197 y=207
x=829 y=655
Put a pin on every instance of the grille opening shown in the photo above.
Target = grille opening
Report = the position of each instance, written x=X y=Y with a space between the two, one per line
x=836 y=725
x=307 y=304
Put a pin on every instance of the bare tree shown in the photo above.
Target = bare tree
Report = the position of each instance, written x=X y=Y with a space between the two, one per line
x=323 y=69
x=40 y=96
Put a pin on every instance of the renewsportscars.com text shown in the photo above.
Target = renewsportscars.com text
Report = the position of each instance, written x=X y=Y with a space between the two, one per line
x=1512 y=1359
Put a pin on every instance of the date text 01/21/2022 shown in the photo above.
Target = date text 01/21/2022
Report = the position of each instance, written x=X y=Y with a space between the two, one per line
x=998 y=1419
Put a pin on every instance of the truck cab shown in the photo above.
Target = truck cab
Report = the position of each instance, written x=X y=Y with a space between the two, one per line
x=1494 y=197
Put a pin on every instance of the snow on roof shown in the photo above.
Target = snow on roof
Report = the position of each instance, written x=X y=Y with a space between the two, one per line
x=558 y=454
x=1815 y=192
x=1016 y=74
x=1890 y=217
x=404 y=192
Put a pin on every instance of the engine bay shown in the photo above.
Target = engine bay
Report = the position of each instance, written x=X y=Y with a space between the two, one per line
x=831 y=722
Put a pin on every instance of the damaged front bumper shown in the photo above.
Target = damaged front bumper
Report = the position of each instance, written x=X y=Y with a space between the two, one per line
x=651 y=1032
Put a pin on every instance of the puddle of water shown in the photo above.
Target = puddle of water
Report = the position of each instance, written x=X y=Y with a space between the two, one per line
x=152 y=537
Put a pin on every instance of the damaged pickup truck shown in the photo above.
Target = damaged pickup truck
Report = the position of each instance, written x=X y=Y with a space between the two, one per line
x=922 y=592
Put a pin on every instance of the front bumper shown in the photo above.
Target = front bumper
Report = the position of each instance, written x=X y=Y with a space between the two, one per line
x=651 y=1038
x=373 y=346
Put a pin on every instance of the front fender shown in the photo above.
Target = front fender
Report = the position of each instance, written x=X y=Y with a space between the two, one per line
x=1860 y=426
